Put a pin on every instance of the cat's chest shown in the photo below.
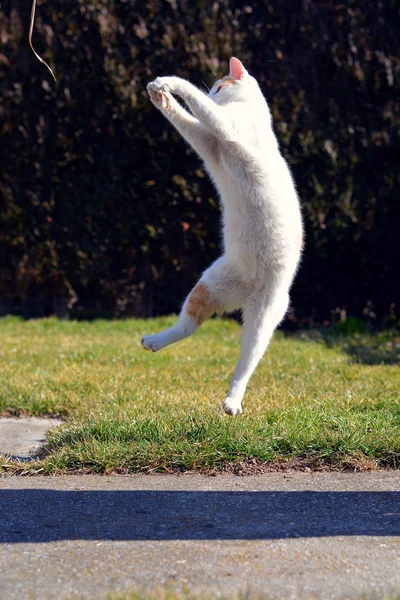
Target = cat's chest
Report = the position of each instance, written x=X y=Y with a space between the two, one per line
x=230 y=170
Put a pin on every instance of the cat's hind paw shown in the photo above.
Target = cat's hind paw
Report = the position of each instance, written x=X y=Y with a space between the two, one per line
x=232 y=407
x=151 y=342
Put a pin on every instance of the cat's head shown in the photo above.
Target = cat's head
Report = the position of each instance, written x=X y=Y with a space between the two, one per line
x=235 y=87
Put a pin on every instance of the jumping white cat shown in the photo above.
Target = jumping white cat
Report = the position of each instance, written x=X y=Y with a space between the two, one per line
x=231 y=130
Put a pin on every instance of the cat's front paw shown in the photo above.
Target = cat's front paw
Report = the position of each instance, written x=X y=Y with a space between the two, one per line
x=161 y=84
x=160 y=99
x=232 y=407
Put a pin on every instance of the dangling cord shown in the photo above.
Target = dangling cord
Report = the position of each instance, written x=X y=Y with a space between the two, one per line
x=30 y=39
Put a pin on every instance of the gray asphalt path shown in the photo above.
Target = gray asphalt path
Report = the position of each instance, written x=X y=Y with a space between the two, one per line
x=22 y=437
x=294 y=535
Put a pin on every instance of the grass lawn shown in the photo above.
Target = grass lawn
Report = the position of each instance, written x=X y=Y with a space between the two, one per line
x=314 y=400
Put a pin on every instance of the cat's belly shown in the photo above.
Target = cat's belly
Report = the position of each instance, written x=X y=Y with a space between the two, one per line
x=261 y=221
x=259 y=243
x=250 y=259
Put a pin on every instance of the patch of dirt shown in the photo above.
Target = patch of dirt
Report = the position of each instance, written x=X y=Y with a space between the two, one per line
x=356 y=463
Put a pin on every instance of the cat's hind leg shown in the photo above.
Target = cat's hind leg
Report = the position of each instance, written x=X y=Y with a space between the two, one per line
x=261 y=315
x=218 y=290
x=199 y=306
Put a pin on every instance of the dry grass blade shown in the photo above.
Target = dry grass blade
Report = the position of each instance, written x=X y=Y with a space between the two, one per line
x=30 y=39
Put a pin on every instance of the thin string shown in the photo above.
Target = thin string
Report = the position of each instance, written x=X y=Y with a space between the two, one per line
x=30 y=39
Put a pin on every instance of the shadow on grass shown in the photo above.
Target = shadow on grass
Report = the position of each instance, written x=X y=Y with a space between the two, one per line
x=368 y=354
x=381 y=348
x=42 y=515
x=373 y=349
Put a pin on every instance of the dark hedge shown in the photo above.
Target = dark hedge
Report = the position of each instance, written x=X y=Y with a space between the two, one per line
x=105 y=211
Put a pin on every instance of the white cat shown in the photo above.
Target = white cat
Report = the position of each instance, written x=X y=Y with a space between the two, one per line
x=231 y=130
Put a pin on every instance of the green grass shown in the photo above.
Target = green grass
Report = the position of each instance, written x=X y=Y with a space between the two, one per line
x=314 y=400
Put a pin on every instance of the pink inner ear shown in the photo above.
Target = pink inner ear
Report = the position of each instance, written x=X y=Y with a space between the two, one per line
x=237 y=70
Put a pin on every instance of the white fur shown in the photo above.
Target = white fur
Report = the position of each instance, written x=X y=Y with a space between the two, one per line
x=231 y=130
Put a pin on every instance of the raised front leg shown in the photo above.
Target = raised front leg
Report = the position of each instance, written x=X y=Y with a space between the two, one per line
x=194 y=132
x=203 y=108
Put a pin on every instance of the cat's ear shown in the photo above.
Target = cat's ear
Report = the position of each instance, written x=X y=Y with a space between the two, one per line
x=237 y=70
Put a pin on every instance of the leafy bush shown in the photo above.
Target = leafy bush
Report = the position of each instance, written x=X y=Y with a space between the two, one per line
x=104 y=210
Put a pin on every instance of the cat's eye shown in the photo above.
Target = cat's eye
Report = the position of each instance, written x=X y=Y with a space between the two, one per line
x=218 y=89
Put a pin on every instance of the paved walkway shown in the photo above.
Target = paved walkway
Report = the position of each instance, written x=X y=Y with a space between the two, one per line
x=21 y=438
x=294 y=535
